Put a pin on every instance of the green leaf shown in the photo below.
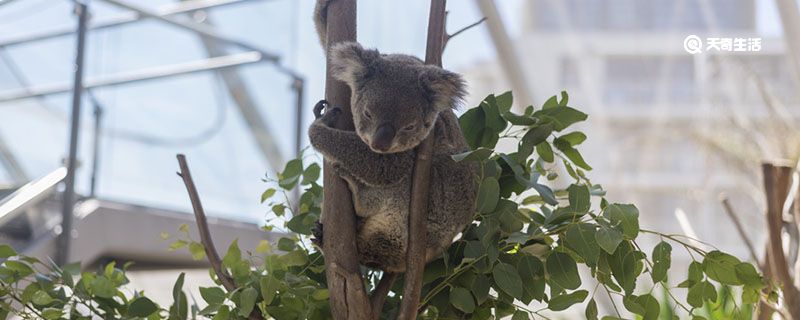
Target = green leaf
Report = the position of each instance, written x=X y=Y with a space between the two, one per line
x=537 y=134
x=247 y=300
x=213 y=295
x=294 y=258
x=311 y=174
x=103 y=287
x=748 y=275
x=623 y=266
x=531 y=271
x=321 y=294
x=625 y=216
x=142 y=307
x=48 y=313
x=179 y=309
x=581 y=238
x=492 y=113
x=662 y=260
x=560 y=117
x=545 y=152
x=608 y=239
x=571 y=153
x=291 y=174
x=579 y=198
x=546 y=193
x=462 y=299
x=41 y=298
x=520 y=315
x=573 y=138
x=7 y=251
x=267 y=194
x=233 y=256
x=702 y=291
x=645 y=305
x=504 y=101
x=552 y=102
x=480 y=288
x=591 y=310
x=197 y=250
x=177 y=244
x=488 y=195
x=269 y=287
x=224 y=313
x=564 y=301
x=563 y=270
x=479 y=154
x=695 y=271
x=564 y=99
x=477 y=134
x=507 y=278
x=721 y=267
x=264 y=247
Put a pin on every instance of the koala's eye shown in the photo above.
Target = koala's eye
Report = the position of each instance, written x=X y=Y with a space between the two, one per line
x=367 y=114
x=409 y=127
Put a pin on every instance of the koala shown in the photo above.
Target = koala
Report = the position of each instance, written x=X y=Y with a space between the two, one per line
x=396 y=102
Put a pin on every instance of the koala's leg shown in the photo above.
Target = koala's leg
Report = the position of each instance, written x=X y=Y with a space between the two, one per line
x=382 y=242
x=354 y=156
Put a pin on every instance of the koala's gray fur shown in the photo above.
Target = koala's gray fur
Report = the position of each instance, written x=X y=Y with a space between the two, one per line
x=396 y=101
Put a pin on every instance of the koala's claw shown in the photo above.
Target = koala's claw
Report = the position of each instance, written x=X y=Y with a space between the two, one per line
x=317 y=232
x=322 y=104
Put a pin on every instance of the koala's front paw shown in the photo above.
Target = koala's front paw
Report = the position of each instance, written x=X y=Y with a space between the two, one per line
x=317 y=233
x=330 y=115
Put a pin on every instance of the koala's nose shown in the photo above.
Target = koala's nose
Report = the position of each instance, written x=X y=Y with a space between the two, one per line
x=383 y=137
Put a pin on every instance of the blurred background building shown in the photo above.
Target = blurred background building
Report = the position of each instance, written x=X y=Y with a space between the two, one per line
x=218 y=79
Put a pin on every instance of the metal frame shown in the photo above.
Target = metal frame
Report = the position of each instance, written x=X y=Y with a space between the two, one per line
x=217 y=61
x=136 y=76
x=68 y=197
x=118 y=20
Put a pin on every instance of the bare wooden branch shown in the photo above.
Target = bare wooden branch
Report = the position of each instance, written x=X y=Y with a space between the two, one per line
x=378 y=297
x=348 y=296
x=417 y=232
x=776 y=185
x=447 y=36
x=205 y=234
x=735 y=219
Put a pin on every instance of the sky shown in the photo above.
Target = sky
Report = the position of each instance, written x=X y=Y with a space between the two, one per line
x=145 y=124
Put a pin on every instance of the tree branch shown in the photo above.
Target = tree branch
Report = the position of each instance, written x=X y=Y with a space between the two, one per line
x=417 y=232
x=348 y=296
x=205 y=234
x=776 y=185
x=378 y=297
x=447 y=36
x=731 y=214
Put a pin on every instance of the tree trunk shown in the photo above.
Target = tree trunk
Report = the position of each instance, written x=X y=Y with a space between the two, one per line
x=348 y=297
x=777 y=179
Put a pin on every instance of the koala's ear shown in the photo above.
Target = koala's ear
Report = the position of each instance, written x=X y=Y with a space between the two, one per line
x=445 y=89
x=352 y=63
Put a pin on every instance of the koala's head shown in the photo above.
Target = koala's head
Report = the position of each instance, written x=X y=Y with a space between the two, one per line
x=395 y=98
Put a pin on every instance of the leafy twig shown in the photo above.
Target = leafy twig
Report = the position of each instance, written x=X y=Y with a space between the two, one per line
x=205 y=234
